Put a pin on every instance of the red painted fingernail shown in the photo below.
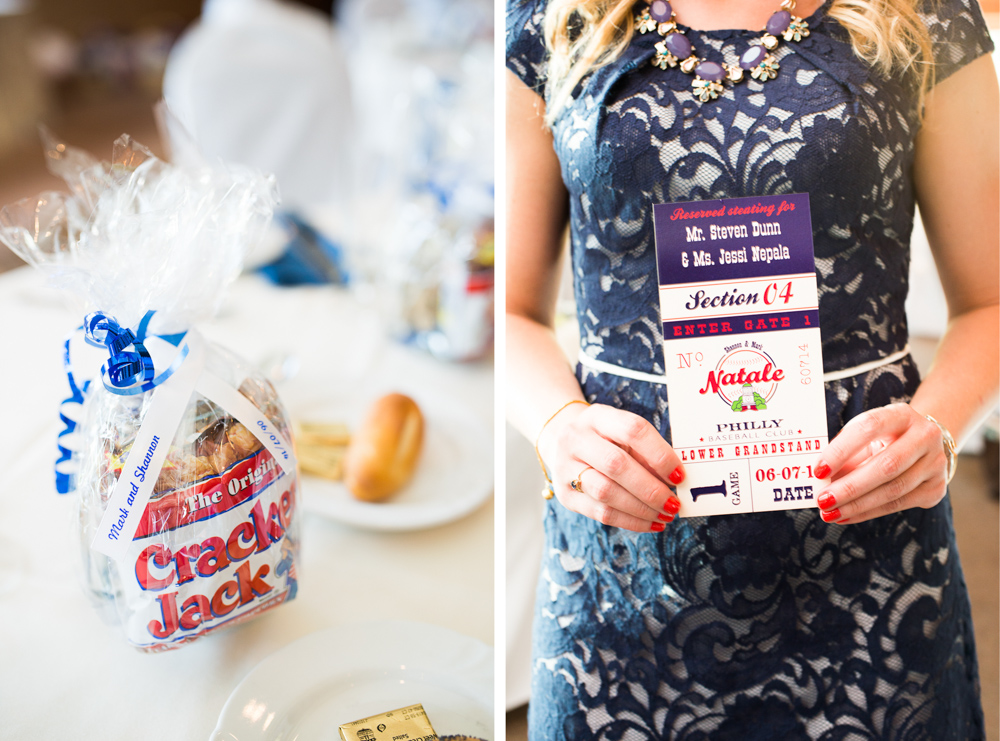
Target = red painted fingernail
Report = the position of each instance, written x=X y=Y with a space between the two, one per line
x=833 y=514
x=665 y=518
x=826 y=501
x=657 y=527
x=673 y=506
x=677 y=475
x=845 y=520
x=821 y=471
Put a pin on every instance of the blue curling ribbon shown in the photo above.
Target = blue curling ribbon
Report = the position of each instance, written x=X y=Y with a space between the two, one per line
x=126 y=373
x=65 y=473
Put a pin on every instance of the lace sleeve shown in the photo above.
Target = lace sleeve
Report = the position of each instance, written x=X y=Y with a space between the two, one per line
x=959 y=34
x=526 y=53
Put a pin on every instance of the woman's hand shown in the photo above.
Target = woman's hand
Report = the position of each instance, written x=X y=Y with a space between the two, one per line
x=621 y=463
x=883 y=461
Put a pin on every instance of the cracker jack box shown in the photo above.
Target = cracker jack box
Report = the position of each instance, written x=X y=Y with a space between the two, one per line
x=179 y=452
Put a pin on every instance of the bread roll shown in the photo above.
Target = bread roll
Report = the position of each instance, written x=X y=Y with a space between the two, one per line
x=383 y=452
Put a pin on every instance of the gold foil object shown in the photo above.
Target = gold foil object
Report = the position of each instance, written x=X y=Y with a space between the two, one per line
x=408 y=723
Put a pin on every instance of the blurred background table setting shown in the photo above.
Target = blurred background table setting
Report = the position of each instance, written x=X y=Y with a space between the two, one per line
x=375 y=277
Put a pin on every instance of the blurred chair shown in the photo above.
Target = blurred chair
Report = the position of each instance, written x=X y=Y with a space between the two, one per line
x=265 y=83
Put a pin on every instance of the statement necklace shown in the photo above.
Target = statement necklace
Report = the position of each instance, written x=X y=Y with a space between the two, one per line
x=675 y=48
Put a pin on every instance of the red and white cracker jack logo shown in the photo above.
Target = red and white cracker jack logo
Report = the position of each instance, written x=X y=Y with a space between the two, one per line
x=213 y=554
x=745 y=378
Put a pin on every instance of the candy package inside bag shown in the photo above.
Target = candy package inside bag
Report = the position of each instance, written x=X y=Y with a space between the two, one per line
x=179 y=452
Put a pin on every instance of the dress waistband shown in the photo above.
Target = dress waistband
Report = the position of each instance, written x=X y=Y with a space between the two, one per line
x=617 y=370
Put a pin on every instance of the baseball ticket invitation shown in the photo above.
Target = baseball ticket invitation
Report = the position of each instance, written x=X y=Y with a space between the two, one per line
x=741 y=341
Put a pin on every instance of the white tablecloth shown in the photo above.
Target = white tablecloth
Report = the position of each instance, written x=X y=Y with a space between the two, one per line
x=64 y=674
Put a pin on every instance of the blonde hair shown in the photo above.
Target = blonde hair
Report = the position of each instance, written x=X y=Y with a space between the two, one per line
x=583 y=35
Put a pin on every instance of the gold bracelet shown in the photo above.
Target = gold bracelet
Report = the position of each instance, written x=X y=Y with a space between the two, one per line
x=950 y=449
x=548 y=492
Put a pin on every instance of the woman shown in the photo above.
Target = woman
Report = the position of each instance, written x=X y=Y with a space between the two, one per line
x=845 y=622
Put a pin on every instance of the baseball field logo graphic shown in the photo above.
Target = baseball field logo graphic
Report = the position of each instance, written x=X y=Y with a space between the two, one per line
x=745 y=378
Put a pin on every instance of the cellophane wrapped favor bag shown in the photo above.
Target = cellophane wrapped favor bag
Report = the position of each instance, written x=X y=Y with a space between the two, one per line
x=178 y=451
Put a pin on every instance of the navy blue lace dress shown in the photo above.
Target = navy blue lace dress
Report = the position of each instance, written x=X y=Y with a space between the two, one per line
x=773 y=626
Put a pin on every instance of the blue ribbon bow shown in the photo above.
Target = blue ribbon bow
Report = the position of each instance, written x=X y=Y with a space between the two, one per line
x=126 y=373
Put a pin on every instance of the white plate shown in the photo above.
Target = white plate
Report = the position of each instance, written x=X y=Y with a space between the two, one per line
x=305 y=691
x=454 y=474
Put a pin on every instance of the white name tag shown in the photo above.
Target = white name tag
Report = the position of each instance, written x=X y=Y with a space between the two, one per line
x=148 y=452
x=145 y=459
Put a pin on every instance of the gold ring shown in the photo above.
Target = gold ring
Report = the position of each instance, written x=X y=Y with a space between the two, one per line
x=576 y=484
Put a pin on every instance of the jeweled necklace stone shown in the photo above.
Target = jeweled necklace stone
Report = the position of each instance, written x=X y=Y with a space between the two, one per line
x=675 y=48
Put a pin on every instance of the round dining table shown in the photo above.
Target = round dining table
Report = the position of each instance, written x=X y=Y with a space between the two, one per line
x=68 y=673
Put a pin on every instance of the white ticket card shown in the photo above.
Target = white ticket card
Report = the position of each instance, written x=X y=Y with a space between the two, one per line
x=741 y=341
